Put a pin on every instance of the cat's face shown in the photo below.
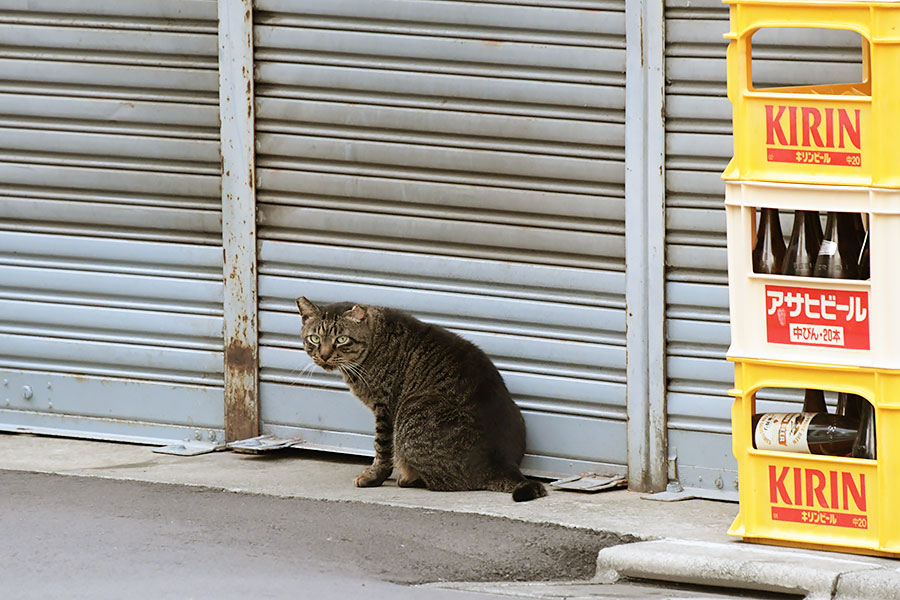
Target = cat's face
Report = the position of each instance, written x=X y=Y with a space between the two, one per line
x=336 y=336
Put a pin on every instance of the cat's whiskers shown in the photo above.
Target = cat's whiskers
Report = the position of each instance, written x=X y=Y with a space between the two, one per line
x=293 y=372
x=345 y=372
x=355 y=370
x=308 y=370
x=361 y=370
x=301 y=373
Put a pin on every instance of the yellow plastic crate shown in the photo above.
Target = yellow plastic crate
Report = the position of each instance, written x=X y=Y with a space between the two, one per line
x=837 y=134
x=813 y=501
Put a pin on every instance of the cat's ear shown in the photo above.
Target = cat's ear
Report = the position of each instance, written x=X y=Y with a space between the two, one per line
x=357 y=313
x=307 y=308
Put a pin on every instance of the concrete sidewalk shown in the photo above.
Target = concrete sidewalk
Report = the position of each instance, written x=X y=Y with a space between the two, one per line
x=678 y=541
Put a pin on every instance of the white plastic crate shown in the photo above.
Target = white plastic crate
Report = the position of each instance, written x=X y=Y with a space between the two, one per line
x=810 y=319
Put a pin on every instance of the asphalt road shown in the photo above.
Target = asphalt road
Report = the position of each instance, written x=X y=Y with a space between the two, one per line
x=70 y=537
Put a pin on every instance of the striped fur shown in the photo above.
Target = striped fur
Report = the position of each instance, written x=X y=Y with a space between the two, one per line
x=443 y=416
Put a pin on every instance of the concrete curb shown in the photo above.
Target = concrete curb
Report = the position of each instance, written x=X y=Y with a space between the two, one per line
x=862 y=585
x=815 y=575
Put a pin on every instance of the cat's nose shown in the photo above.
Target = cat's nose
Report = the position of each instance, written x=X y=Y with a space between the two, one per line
x=325 y=352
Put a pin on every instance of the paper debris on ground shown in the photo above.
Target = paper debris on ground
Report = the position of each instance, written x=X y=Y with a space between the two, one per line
x=590 y=482
x=265 y=443
x=190 y=448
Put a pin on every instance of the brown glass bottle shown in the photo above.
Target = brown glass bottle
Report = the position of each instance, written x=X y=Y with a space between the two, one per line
x=858 y=226
x=800 y=260
x=864 y=271
x=838 y=256
x=803 y=248
x=768 y=254
x=864 y=444
x=819 y=433
x=849 y=405
x=814 y=401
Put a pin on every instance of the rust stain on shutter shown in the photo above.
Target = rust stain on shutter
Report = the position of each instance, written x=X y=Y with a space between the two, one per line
x=241 y=406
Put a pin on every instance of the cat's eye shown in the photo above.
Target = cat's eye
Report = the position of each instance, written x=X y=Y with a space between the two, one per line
x=342 y=339
x=314 y=339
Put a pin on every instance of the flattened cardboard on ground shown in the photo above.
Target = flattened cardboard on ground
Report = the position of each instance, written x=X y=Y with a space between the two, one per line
x=590 y=482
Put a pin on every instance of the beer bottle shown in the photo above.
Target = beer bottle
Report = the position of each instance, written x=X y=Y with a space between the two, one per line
x=858 y=226
x=864 y=444
x=811 y=433
x=768 y=254
x=800 y=259
x=864 y=272
x=839 y=253
x=803 y=249
x=849 y=405
x=814 y=401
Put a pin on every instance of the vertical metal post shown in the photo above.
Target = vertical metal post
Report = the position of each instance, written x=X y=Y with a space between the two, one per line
x=645 y=243
x=238 y=218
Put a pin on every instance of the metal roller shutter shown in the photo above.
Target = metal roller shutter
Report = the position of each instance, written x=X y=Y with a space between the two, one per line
x=698 y=148
x=463 y=161
x=110 y=234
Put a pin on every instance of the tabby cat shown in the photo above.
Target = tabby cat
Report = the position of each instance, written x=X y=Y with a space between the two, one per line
x=443 y=416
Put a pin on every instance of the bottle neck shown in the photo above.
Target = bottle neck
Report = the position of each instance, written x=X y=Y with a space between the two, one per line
x=813 y=225
x=831 y=227
x=769 y=230
x=839 y=253
x=768 y=254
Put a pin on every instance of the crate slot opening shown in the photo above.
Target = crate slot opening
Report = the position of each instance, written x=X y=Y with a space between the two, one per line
x=813 y=421
x=832 y=245
x=806 y=60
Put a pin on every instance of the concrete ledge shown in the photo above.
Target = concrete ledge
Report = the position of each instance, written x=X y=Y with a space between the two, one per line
x=815 y=575
x=297 y=473
x=694 y=548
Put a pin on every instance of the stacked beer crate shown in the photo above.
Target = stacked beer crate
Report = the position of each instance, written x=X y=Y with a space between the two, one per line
x=814 y=308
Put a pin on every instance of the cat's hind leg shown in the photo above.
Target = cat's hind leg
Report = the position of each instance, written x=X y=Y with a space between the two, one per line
x=432 y=442
x=408 y=477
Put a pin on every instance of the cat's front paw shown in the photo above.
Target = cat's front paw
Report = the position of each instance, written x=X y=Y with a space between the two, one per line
x=370 y=478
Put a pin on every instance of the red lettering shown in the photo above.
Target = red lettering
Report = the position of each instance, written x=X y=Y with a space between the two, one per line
x=776 y=486
x=817 y=489
x=773 y=125
x=829 y=128
x=811 y=121
x=792 y=119
x=808 y=126
x=833 y=481
x=847 y=127
x=858 y=493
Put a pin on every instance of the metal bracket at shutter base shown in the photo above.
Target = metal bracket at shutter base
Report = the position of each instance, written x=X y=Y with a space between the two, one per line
x=675 y=492
x=692 y=493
